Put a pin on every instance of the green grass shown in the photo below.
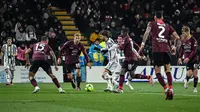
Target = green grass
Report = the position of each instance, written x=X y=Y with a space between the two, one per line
x=19 y=98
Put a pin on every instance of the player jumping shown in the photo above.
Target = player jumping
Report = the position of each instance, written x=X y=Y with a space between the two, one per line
x=189 y=52
x=40 y=51
x=9 y=52
x=72 y=51
x=161 y=33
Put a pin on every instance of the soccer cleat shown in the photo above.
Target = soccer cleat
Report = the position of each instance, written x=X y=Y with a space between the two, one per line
x=185 y=84
x=195 y=90
x=61 y=90
x=169 y=94
x=8 y=84
x=118 y=91
x=78 y=88
x=36 y=89
x=107 y=90
x=129 y=86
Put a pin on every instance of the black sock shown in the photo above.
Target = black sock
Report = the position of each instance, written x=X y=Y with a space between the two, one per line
x=187 y=78
x=195 y=82
x=78 y=81
x=73 y=85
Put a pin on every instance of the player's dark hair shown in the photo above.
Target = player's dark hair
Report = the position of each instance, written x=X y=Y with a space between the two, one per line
x=44 y=38
x=104 y=33
x=97 y=40
x=159 y=14
x=9 y=38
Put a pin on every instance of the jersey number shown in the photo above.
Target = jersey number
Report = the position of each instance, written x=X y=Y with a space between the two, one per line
x=161 y=35
x=40 y=47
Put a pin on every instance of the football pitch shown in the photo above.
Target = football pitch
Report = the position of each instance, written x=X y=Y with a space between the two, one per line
x=144 y=98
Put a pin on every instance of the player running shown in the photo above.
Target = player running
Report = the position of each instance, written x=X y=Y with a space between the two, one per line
x=113 y=66
x=121 y=59
x=72 y=51
x=130 y=62
x=40 y=51
x=9 y=52
x=161 y=33
x=189 y=53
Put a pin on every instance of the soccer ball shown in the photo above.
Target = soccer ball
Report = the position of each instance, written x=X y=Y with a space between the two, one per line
x=89 y=87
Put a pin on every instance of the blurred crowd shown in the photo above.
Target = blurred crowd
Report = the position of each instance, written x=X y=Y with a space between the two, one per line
x=26 y=21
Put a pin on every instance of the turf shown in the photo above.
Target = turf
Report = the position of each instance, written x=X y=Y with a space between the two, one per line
x=144 y=98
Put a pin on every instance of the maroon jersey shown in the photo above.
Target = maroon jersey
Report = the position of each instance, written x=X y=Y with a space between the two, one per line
x=189 y=49
x=72 y=52
x=161 y=33
x=41 y=51
x=126 y=46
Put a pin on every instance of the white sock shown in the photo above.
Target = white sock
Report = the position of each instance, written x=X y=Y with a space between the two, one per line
x=8 y=78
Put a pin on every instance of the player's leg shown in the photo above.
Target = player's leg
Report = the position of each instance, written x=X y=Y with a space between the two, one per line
x=189 y=68
x=32 y=71
x=12 y=75
x=195 y=74
x=47 y=68
x=115 y=77
x=128 y=83
x=107 y=76
x=69 y=70
x=78 y=75
x=122 y=77
x=168 y=74
x=78 y=78
x=8 y=76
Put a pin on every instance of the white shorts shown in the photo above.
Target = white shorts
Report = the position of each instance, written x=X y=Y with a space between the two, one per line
x=113 y=67
x=9 y=63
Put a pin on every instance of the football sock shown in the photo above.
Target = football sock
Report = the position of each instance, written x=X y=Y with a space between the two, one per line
x=161 y=80
x=187 y=78
x=169 y=79
x=72 y=83
x=8 y=80
x=34 y=82
x=195 y=82
x=55 y=80
x=121 y=81
x=78 y=81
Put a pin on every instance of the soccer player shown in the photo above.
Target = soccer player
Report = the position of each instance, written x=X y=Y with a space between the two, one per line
x=40 y=51
x=72 y=51
x=130 y=62
x=161 y=35
x=121 y=59
x=9 y=51
x=189 y=52
x=113 y=66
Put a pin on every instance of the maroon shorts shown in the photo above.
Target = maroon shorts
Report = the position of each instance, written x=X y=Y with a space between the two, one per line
x=40 y=63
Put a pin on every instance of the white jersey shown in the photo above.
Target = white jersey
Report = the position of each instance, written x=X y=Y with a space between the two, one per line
x=9 y=52
x=112 y=50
